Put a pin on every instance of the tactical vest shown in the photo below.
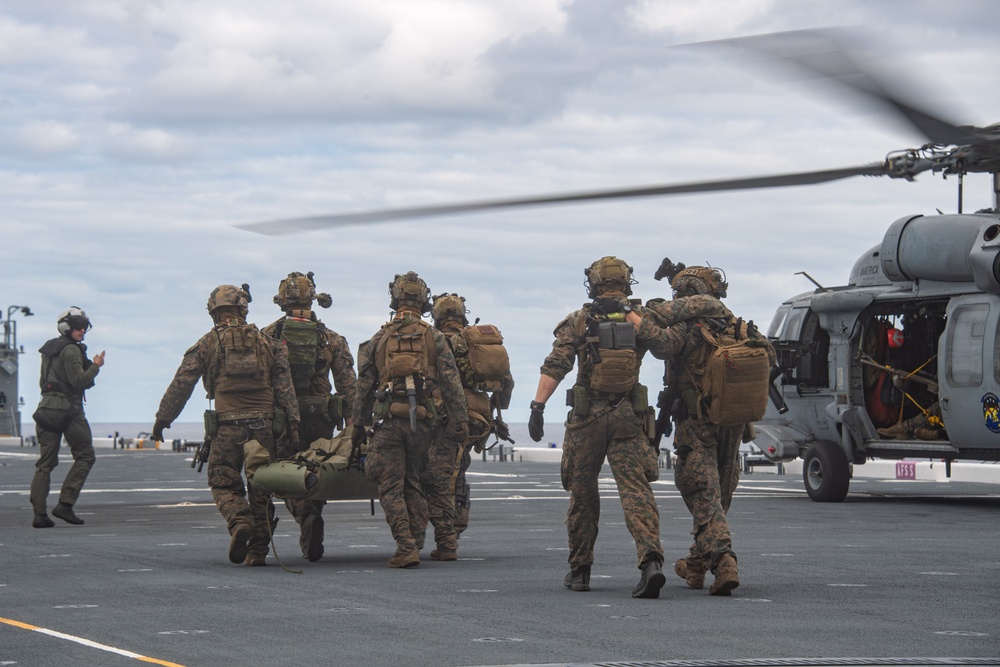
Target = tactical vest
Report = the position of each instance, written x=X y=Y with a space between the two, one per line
x=405 y=351
x=241 y=376
x=731 y=373
x=302 y=339
x=607 y=360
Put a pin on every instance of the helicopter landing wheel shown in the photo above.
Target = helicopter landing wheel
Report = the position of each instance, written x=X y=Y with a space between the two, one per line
x=826 y=473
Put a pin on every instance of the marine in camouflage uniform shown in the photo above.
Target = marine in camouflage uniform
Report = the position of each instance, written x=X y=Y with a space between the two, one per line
x=246 y=373
x=449 y=313
x=403 y=431
x=66 y=373
x=603 y=424
x=314 y=352
x=707 y=470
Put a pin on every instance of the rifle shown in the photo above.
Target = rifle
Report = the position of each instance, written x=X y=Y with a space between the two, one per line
x=664 y=401
x=503 y=431
x=201 y=454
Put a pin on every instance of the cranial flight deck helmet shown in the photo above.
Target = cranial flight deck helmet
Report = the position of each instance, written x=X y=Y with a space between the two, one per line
x=230 y=296
x=410 y=290
x=73 y=319
x=608 y=273
x=450 y=307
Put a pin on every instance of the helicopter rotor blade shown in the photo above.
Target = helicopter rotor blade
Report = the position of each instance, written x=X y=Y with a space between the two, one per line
x=295 y=225
x=827 y=53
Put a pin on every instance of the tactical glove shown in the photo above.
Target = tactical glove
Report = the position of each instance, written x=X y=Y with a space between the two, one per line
x=359 y=436
x=608 y=305
x=158 y=428
x=536 y=421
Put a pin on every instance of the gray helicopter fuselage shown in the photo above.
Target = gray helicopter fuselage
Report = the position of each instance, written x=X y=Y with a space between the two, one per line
x=915 y=335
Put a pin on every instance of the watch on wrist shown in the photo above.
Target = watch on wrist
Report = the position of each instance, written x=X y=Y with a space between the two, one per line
x=627 y=308
x=538 y=405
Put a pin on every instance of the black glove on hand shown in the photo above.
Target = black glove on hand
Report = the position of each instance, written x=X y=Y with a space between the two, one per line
x=158 y=428
x=608 y=305
x=359 y=436
x=536 y=421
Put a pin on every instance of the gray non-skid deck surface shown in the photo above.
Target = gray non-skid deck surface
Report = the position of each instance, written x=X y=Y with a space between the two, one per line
x=900 y=569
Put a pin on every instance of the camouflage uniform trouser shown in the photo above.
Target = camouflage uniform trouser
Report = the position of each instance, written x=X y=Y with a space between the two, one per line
x=619 y=436
x=706 y=474
x=397 y=458
x=225 y=478
x=438 y=484
x=310 y=429
x=81 y=445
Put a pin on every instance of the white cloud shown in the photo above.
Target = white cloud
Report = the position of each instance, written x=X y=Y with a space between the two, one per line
x=46 y=137
x=136 y=133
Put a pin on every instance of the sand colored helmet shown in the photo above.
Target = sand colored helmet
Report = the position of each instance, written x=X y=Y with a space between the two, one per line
x=690 y=280
x=450 y=307
x=232 y=296
x=700 y=280
x=608 y=273
x=409 y=289
x=73 y=319
x=298 y=291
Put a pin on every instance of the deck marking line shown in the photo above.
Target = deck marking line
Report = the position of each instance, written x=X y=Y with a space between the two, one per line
x=87 y=642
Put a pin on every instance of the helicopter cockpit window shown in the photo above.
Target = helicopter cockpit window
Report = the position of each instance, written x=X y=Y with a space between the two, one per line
x=778 y=321
x=792 y=324
x=965 y=345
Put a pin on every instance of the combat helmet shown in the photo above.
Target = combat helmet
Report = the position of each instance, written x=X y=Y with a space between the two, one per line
x=690 y=280
x=608 y=273
x=230 y=296
x=298 y=291
x=409 y=289
x=73 y=319
x=449 y=307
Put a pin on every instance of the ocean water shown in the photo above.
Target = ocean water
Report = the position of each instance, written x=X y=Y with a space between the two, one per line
x=196 y=431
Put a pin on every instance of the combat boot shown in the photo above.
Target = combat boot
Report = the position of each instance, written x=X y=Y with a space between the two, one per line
x=895 y=432
x=693 y=575
x=727 y=576
x=255 y=560
x=239 y=543
x=652 y=580
x=405 y=558
x=42 y=521
x=312 y=537
x=66 y=513
x=926 y=433
x=578 y=579
x=443 y=553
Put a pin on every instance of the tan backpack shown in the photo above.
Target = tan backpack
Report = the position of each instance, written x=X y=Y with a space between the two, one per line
x=735 y=375
x=489 y=363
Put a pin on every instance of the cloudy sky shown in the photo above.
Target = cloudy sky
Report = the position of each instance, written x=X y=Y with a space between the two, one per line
x=134 y=136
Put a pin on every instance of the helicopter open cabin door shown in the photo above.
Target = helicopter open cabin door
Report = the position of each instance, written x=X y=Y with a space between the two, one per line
x=970 y=381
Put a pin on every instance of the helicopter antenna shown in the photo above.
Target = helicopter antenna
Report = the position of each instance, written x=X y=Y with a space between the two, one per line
x=812 y=280
x=961 y=190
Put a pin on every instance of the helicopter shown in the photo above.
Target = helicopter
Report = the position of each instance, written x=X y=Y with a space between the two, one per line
x=901 y=362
